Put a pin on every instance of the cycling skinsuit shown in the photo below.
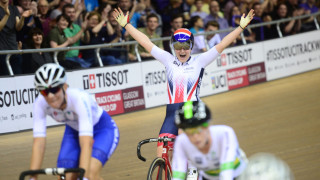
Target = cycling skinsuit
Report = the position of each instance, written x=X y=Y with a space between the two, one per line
x=83 y=117
x=184 y=80
x=223 y=161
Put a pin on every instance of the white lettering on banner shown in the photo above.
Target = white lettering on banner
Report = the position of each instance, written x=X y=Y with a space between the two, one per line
x=108 y=99
x=133 y=103
x=153 y=78
x=236 y=57
x=234 y=82
x=100 y=80
x=18 y=97
x=109 y=107
x=130 y=95
x=294 y=50
x=237 y=73
x=254 y=69
x=254 y=77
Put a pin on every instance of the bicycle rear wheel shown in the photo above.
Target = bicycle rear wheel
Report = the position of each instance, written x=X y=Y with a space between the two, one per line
x=157 y=170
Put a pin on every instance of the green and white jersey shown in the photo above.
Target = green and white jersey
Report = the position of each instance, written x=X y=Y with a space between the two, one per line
x=223 y=161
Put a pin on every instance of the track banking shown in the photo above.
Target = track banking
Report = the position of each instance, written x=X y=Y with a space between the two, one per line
x=294 y=50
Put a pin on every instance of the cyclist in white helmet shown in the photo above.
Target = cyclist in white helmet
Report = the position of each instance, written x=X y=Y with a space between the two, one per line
x=184 y=72
x=265 y=166
x=213 y=150
x=90 y=137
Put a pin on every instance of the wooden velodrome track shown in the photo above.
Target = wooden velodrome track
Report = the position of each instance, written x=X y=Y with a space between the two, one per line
x=281 y=117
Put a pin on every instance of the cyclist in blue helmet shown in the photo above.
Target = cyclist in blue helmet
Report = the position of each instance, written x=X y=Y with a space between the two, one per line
x=184 y=72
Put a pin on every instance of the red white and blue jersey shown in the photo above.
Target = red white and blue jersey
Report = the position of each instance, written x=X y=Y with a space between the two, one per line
x=184 y=79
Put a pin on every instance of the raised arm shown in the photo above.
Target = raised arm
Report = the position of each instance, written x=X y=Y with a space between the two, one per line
x=142 y=39
x=226 y=41
x=5 y=18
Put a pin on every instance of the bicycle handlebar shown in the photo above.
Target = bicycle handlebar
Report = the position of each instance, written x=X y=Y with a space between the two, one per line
x=160 y=139
x=53 y=171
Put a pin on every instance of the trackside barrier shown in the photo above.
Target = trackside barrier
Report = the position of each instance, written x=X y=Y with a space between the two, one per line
x=136 y=86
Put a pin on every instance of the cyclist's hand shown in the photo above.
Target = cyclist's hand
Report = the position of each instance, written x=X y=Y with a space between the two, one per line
x=246 y=20
x=122 y=19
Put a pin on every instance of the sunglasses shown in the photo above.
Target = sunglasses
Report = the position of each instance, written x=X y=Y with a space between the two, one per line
x=50 y=90
x=192 y=131
x=184 y=45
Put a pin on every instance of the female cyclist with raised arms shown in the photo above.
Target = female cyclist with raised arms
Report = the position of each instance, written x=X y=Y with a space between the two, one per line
x=213 y=150
x=90 y=137
x=184 y=73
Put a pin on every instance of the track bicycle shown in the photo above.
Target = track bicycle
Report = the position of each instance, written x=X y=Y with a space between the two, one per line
x=53 y=171
x=160 y=168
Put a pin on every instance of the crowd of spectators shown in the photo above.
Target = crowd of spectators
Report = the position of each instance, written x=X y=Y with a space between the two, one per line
x=29 y=24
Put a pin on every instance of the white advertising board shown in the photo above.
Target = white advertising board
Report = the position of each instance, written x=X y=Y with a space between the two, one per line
x=239 y=56
x=213 y=82
x=107 y=78
x=292 y=55
x=154 y=83
x=17 y=96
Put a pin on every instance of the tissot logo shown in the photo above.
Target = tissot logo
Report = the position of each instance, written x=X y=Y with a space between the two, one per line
x=101 y=80
x=222 y=60
x=92 y=81
x=154 y=78
x=235 y=57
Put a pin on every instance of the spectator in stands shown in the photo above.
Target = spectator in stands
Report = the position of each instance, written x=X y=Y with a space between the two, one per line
x=32 y=61
x=257 y=19
x=99 y=30
x=214 y=16
x=228 y=7
x=213 y=39
x=29 y=22
x=43 y=9
x=74 y=30
x=150 y=32
x=248 y=34
x=176 y=23
x=269 y=6
x=11 y=22
x=196 y=25
x=199 y=42
x=199 y=9
x=58 y=39
x=119 y=52
x=57 y=11
x=292 y=5
x=175 y=7
x=291 y=27
x=144 y=10
x=89 y=5
x=204 y=6
x=309 y=8
x=128 y=5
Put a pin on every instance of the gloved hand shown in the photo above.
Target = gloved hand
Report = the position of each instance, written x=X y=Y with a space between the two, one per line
x=122 y=19
x=246 y=20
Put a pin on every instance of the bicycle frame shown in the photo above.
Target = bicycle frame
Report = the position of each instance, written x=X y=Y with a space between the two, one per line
x=165 y=150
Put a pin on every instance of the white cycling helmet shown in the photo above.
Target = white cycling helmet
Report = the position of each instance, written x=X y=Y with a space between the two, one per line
x=49 y=75
x=266 y=166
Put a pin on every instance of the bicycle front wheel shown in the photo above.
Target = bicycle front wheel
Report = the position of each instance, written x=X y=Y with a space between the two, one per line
x=157 y=170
